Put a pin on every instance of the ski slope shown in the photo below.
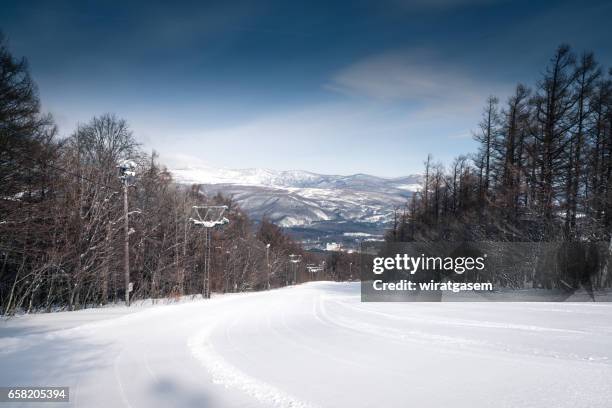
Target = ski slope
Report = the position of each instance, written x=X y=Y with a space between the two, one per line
x=316 y=345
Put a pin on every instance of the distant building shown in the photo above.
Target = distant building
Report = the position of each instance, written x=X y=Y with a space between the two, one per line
x=333 y=246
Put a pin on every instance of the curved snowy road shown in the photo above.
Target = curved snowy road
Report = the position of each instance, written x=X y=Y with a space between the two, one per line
x=317 y=345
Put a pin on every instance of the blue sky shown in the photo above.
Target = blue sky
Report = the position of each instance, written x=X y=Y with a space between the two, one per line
x=331 y=87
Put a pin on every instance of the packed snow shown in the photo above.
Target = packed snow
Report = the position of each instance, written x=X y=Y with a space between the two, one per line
x=316 y=345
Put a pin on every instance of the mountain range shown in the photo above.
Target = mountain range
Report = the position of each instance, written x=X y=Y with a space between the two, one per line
x=314 y=207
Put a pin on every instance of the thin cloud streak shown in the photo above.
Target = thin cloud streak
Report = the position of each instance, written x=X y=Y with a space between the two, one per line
x=412 y=76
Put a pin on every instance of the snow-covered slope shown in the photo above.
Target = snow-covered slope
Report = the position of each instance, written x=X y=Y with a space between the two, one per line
x=298 y=198
x=290 y=178
x=317 y=345
x=249 y=177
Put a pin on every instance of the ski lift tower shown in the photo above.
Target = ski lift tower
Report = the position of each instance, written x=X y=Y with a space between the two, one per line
x=295 y=259
x=315 y=269
x=208 y=217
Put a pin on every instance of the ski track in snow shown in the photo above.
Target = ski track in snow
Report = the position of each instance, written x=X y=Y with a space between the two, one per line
x=457 y=341
x=317 y=345
x=229 y=376
x=124 y=399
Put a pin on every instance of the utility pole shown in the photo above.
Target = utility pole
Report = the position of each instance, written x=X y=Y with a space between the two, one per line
x=295 y=259
x=287 y=273
x=268 y=262
x=126 y=174
x=126 y=244
x=226 y=272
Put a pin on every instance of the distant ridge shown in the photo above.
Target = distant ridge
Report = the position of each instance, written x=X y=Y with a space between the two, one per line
x=339 y=207
x=288 y=178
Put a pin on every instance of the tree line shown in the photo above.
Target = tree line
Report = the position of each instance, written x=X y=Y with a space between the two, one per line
x=542 y=171
x=62 y=217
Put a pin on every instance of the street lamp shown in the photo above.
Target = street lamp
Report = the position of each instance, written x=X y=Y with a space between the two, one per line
x=126 y=175
x=295 y=259
x=268 y=262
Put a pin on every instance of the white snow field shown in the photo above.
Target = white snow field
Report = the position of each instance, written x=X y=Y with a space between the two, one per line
x=316 y=345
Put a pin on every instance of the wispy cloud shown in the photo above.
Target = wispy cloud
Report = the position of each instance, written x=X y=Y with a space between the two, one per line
x=419 y=77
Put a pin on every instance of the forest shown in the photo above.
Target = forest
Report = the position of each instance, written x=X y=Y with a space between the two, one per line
x=541 y=174
x=542 y=170
x=62 y=218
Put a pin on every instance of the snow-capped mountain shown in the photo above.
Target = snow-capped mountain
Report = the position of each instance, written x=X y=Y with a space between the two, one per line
x=290 y=179
x=355 y=204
